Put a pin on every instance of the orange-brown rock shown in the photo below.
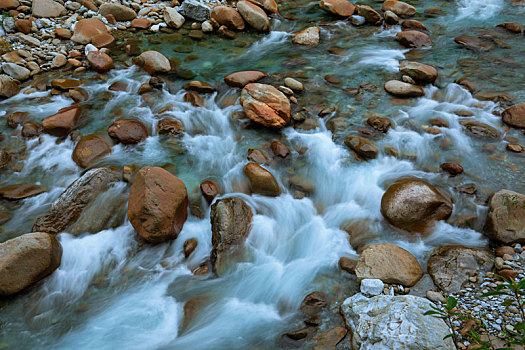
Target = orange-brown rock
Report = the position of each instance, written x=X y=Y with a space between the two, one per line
x=514 y=116
x=418 y=71
x=199 y=86
x=341 y=8
x=227 y=16
x=194 y=98
x=170 y=126
x=100 y=61
x=265 y=105
x=61 y=123
x=243 y=78
x=86 y=29
x=103 y=40
x=413 y=39
x=210 y=190
x=254 y=16
x=89 y=149
x=141 y=23
x=189 y=246
x=400 y=8
x=21 y=191
x=128 y=131
x=370 y=15
x=157 y=204
x=261 y=180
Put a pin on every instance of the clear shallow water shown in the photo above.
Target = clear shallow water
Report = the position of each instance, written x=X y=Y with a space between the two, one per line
x=112 y=292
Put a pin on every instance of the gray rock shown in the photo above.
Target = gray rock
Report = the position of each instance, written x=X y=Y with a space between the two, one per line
x=372 y=286
x=9 y=25
x=47 y=9
x=173 y=18
x=394 y=322
x=15 y=71
x=196 y=10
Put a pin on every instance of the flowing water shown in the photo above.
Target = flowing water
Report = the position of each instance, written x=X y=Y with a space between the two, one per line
x=113 y=292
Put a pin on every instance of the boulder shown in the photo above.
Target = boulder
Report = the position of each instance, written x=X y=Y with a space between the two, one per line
x=70 y=205
x=506 y=217
x=269 y=6
x=452 y=168
x=243 y=78
x=265 y=105
x=173 y=18
x=153 y=62
x=227 y=16
x=200 y=87
x=30 y=130
x=258 y=156
x=314 y=303
x=65 y=84
x=16 y=118
x=231 y=222
x=261 y=180
x=195 y=10
x=341 y=8
x=87 y=29
x=307 y=37
x=170 y=126
x=89 y=149
x=8 y=86
x=370 y=15
x=141 y=23
x=400 y=8
x=21 y=191
x=9 y=4
x=62 y=122
x=120 y=12
x=363 y=147
x=379 y=123
x=451 y=266
x=103 y=40
x=100 y=61
x=389 y=263
x=47 y=9
x=514 y=116
x=157 y=204
x=418 y=71
x=254 y=16
x=413 y=24
x=413 y=39
x=480 y=130
x=210 y=190
x=27 y=259
x=16 y=72
x=394 y=322
x=194 y=98
x=402 y=89
x=128 y=131
x=414 y=205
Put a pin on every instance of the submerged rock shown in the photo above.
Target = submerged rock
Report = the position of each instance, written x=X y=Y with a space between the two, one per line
x=394 y=322
x=506 y=217
x=89 y=149
x=451 y=266
x=261 y=180
x=481 y=130
x=69 y=206
x=514 y=116
x=157 y=204
x=363 y=147
x=231 y=222
x=266 y=105
x=27 y=259
x=21 y=191
x=128 y=131
x=414 y=205
x=389 y=263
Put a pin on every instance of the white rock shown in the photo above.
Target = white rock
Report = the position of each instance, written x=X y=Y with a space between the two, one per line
x=372 y=286
x=293 y=84
x=173 y=18
x=90 y=47
x=207 y=27
x=394 y=322
x=155 y=28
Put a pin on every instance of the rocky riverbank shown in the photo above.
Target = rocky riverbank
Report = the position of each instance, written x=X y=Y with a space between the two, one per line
x=378 y=285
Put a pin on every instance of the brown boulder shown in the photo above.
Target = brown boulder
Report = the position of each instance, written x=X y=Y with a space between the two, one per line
x=30 y=130
x=17 y=118
x=200 y=87
x=63 y=33
x=86 y=29
x=414 y=205
x=89 y=149
x=141 y=23
x=370 y=15
x=100 y=61
x=153 y=62
x=270 y=6
x=8 y=86
x=210 y=190
x=341 y=8
x=363 y=147
x=380 y=124
x=402 y=89
x=61 y=123
x=254 y=16
x=452 y=168
x=265 y=105
x=313 y=303
x=258 y=156
x=243 y=78
x=514 y=116
x=506 y=217
x=23 y=25
x=9 y=4
x=227 y=16
x=261 y=180
x=413 y=24
x=231 y=222
x=194 y=98
x=413 y=39
x=451 y=266
x=400 y=8
x=472 y=43
x=389 y=263
x=480 y=129
x=330 y=338
x=65 y=84
x=170 y=126
x=120 y=12
x=21 y=191
x=189 y=246
x=27 y=259
x=157 y=205
x=128 y=131
x=103 y=40
x=347 y=265
x=279 y=149
x=418 y=71
x=68 y=209
x=511 y=27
